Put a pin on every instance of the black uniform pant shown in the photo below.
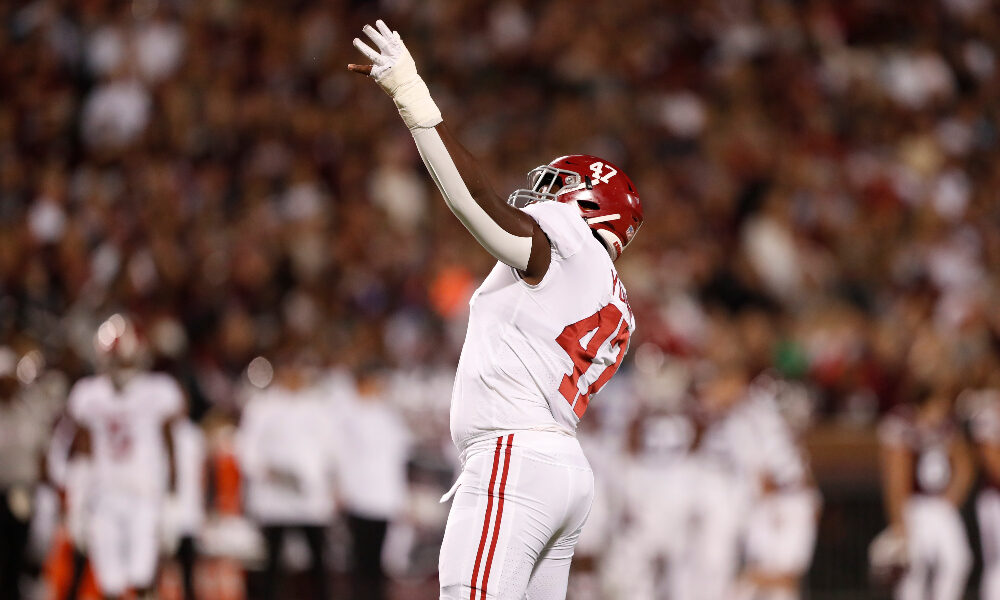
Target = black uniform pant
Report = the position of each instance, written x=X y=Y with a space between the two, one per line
x=368 y=536
x=187 y=557
x=274 y=536
x=13 y=543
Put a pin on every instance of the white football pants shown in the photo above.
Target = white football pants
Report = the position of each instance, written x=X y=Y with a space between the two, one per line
x=988 y=515
x=936 y=544
x=780 y=536
x=122 y=541
x=521 y=501
x=706 y=564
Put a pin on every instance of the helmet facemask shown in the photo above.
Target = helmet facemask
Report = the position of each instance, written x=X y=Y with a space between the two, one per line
x=544 y=184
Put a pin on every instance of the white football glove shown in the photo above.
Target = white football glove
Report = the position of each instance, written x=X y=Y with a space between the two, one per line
x=888 y=555
x=394 y=70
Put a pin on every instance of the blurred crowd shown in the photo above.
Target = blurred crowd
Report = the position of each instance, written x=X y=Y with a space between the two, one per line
x=820 y=182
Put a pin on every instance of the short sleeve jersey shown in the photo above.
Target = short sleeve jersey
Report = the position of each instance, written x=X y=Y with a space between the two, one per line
x=126 y=429
x=929 y=446
x=984 y=426
x=534 y=355
x=773 y=448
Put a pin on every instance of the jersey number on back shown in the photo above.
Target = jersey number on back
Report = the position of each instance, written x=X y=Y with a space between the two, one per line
x=603 y=324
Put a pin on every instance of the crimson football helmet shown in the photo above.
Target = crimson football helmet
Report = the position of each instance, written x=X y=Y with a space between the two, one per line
x=606 y=197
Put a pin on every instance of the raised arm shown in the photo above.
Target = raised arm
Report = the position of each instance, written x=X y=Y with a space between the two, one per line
x=507 y=233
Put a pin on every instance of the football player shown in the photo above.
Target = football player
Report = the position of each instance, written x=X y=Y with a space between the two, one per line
x=288 y=448
x=547 y=329
x=782 y=521
x=985 y=429
x=717 y=486
x=927 y=471
x=124 y=417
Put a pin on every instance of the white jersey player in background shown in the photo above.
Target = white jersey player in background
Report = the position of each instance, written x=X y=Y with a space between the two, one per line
x=715 y=488
x=655 y=480
x=123 y=418
x=780 y=531
x=927 y=471
x=984 y=424
x=288 y=447
x=547 y=329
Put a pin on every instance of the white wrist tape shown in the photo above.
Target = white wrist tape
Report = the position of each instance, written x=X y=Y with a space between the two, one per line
x=410 y=93
x=506 y=247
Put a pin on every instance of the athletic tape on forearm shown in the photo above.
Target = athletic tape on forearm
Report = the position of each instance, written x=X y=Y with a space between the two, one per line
x=416 y=105
x=410 y=93
x=506 y=247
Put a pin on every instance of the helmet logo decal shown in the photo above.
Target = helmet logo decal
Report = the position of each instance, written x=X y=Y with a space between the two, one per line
x=598 y=169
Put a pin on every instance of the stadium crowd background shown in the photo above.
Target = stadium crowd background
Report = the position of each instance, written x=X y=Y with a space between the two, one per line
x=820 y=181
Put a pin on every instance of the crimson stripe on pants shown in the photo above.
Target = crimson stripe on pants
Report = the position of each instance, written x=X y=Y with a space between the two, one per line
x=486 y=521
x=496 y=526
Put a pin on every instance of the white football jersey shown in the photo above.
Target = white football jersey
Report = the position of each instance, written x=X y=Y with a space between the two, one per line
x=772 y=448
x=294 y=432
x=534 y=355
x=126 y=429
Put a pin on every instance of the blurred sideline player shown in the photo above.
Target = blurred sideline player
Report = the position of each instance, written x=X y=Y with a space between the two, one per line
x=547 y=329
x=716 y=488
x=123 y=417
x=985 y=429
x=656 y=478
x=287 y=448
x=373 y=483
x=781 y=524
x=26 y=416
x=927 y=470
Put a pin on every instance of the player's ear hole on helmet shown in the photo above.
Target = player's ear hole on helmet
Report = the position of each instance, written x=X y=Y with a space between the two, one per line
x=588 y=205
